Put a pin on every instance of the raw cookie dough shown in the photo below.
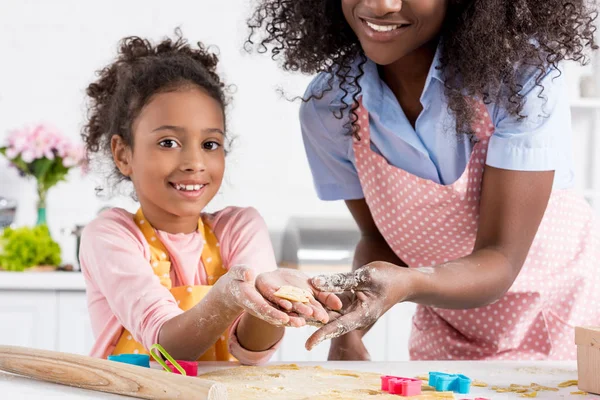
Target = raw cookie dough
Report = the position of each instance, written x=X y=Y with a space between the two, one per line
x=292 y=382
x=293 y=293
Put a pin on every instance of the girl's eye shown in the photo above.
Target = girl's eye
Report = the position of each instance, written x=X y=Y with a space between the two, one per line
x=168 y=143
x=211 y=145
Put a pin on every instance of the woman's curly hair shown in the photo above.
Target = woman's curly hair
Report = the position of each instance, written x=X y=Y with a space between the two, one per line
x=486 y=45
x=140 y=71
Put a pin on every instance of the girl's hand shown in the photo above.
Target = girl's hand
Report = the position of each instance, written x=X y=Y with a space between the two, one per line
x=314 y=312
x=238 y=290
x=367 y=293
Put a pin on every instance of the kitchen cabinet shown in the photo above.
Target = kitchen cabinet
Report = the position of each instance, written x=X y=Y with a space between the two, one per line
x=74 y=331
x=45 y=310
x=28 y=318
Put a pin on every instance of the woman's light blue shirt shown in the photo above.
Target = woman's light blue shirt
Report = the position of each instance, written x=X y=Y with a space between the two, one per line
x=432 y=150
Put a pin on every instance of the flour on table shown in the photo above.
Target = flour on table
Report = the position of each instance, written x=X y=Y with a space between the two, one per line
x=292 y=382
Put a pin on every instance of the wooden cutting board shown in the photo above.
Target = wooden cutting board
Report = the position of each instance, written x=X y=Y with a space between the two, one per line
x=106 y=376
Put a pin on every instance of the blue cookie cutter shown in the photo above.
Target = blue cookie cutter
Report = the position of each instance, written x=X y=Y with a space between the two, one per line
x=456 y=383
x=142 y=360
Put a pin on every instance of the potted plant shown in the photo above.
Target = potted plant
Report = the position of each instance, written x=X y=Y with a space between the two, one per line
x=43 y=153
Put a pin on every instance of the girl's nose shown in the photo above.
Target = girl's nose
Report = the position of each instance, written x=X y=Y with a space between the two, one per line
x=192 y=161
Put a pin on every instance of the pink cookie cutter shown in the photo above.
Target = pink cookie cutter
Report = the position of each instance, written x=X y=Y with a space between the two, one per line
x=190 y=367
x=401 y=386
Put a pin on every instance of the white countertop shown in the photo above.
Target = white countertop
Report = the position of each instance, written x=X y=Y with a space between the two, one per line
x=493 y=373
x=42 y=281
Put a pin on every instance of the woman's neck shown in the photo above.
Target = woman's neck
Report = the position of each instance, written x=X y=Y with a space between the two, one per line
x=407 y=75
x=406 y=79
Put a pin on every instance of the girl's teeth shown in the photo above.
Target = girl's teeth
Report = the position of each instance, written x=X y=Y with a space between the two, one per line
x=382 y=28
x=189 y=188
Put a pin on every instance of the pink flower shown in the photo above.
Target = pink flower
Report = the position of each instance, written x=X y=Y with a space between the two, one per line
x=72 y=155
x=43 y=141
x=11 y=153
x=17 y=143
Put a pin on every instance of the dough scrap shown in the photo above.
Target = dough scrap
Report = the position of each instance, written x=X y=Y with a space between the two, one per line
x=565 y=384
x=525 y=391
x=293 y=293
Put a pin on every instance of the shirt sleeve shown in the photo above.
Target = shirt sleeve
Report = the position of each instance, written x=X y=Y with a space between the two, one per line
x=113 y=258
x=535 y=142
x=328 y=146
x=245 y=240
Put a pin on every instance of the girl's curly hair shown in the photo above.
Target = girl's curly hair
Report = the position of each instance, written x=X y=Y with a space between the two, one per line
x=140 y=71
x=486 y=45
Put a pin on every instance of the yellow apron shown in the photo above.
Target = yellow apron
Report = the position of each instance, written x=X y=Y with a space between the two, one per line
x=186 y=296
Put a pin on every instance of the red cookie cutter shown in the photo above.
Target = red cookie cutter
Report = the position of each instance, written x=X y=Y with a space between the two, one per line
x=190 y=367
x=401 y=386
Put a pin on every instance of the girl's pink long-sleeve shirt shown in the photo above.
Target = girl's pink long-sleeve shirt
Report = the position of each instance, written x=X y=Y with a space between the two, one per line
x=123 y=291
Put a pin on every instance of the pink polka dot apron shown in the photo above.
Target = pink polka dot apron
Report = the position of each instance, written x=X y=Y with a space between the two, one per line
x=427 y=224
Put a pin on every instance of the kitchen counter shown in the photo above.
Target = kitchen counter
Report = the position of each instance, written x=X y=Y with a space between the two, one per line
x=42 y=281
x=493 y=373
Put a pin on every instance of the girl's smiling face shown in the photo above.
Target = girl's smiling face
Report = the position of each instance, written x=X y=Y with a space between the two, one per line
x=388 y=30
x=177 y=160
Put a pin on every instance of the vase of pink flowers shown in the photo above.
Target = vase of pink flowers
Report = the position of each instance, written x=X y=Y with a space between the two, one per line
x=43 y=153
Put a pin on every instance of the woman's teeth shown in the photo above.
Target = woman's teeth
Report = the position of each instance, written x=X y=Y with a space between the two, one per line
x=382 y=28
x=188 y=188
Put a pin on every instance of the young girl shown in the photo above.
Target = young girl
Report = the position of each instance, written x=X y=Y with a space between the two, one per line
x=445 y=126
x=171 y=274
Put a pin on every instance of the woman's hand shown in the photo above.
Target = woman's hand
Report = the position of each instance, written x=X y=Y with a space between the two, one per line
x=368 y=293
x=314 y=312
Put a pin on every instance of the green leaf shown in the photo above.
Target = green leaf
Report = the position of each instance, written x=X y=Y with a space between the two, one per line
x=41 y=166
x=17 y=161
x=57 y=173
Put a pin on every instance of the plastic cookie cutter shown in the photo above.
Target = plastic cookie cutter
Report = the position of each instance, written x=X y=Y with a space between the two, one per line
x=443 y=382
x=141 y=360
x=401 y=386
x=385 y=382
x=187 y=368
x=190 y=367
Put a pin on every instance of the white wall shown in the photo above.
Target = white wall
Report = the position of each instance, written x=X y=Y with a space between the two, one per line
x=49 y=50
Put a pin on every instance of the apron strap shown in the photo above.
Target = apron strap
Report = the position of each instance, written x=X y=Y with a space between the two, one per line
x=159 y=256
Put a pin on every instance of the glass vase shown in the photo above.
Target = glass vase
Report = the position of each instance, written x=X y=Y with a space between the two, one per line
x=41 y=207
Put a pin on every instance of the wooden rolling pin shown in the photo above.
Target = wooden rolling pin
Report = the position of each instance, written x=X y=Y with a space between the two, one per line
x=106 y=376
